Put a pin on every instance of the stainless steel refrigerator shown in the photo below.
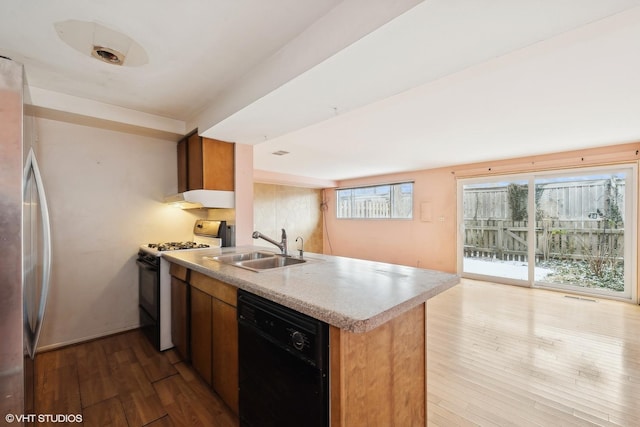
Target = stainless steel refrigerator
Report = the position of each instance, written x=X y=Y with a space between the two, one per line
x=25 y=244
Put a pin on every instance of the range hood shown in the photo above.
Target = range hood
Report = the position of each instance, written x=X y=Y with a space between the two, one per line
x=202 y=199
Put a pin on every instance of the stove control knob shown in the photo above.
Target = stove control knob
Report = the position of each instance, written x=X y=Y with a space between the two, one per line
x=297 y=339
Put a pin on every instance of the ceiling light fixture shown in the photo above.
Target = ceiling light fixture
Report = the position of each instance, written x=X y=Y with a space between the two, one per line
x=102 y=43
x=110 y=56
x=280 y=153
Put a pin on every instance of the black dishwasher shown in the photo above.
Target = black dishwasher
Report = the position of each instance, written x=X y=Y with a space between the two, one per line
x=283 y=365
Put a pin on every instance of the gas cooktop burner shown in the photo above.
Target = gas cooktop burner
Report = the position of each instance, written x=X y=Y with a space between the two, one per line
x=176 y=246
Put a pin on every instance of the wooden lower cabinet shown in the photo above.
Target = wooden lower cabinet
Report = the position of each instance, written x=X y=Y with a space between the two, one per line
x=225 y=353
x=180 y=317
x=214 y=336
x=201 y=339
x=180 y=310
x=378 y=378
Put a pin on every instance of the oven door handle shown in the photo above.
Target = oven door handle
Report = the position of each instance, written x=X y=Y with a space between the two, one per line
x=146 y=266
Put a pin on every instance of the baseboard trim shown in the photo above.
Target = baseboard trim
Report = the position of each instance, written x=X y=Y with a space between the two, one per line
x=82 y=340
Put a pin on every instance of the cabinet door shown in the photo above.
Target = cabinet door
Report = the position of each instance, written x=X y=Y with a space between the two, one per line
x=194 y=162
x=225 y=353
x=180 y=317
x=218 y=167
x=201 y=338
x=182 y=166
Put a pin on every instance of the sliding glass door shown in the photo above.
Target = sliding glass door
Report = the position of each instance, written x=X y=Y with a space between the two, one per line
x=572 y=230
x=496 y=237
x=584 y=231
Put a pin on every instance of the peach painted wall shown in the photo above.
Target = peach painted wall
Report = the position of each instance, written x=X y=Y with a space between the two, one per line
x=432 y=242
x=244 y=194
x=417 y=242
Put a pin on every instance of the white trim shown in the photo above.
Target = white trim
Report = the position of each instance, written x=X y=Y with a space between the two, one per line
x=55 y=346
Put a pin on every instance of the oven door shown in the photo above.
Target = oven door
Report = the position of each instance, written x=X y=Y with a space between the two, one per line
x=149 y=287
x=149 y=297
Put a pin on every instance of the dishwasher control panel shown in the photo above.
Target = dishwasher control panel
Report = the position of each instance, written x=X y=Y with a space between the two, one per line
x=295 y=332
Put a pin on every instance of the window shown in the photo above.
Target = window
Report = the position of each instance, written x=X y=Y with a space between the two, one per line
x=375 y=202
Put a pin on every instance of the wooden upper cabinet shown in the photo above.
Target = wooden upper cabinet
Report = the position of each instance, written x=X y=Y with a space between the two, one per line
x=195 y=164
x=205 y=164
x=218 y=165
x=182 y=166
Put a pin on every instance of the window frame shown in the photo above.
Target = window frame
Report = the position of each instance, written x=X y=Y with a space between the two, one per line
x=392 y=201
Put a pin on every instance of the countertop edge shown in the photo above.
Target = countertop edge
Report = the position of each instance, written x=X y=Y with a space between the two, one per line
x=361 y=326
x=333 y=318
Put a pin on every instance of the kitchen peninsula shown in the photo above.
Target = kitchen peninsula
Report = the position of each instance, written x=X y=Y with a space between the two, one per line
x=376 y=314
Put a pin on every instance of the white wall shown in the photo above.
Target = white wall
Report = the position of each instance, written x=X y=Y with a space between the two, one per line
x=104 y=191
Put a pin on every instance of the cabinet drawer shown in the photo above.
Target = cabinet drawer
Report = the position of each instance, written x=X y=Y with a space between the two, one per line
x=215 y=288
x=179 y=271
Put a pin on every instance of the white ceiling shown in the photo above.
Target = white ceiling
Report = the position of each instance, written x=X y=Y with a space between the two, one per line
x=350 y=88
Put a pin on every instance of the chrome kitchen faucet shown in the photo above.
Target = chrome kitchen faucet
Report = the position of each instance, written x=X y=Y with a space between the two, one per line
x=282 y=244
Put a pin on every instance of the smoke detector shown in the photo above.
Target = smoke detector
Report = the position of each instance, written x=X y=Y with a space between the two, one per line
x=97 y=41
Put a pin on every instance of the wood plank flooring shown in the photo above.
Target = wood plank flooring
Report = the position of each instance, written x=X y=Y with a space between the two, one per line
x=498 y=355
x=502 y=355
x=122 y=380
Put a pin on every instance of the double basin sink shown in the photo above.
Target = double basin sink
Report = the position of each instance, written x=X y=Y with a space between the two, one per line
x=258 y=260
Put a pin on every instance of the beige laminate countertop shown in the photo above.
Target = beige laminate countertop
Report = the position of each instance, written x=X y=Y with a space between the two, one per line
x=351 y=294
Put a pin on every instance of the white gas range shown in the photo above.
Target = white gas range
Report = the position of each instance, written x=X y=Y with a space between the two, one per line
x=154 y=281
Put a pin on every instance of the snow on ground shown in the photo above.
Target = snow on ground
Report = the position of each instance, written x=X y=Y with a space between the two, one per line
x=510 y=269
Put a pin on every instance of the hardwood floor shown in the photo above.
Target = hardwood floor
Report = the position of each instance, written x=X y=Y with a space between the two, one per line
x=502 y=355
x=122 y=381
x=497 y=356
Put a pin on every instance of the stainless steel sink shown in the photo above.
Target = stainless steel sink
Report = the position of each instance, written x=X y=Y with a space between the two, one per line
x=269 y=263
x=233 y=258
x=257 y=260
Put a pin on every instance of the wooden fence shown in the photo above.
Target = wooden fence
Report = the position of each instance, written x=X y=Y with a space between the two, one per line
x=368 y=208
x=563 y=200
x=576 y=239
x=375 y=207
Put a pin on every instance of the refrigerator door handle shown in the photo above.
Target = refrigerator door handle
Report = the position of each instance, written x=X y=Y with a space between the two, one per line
x=31 y=167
